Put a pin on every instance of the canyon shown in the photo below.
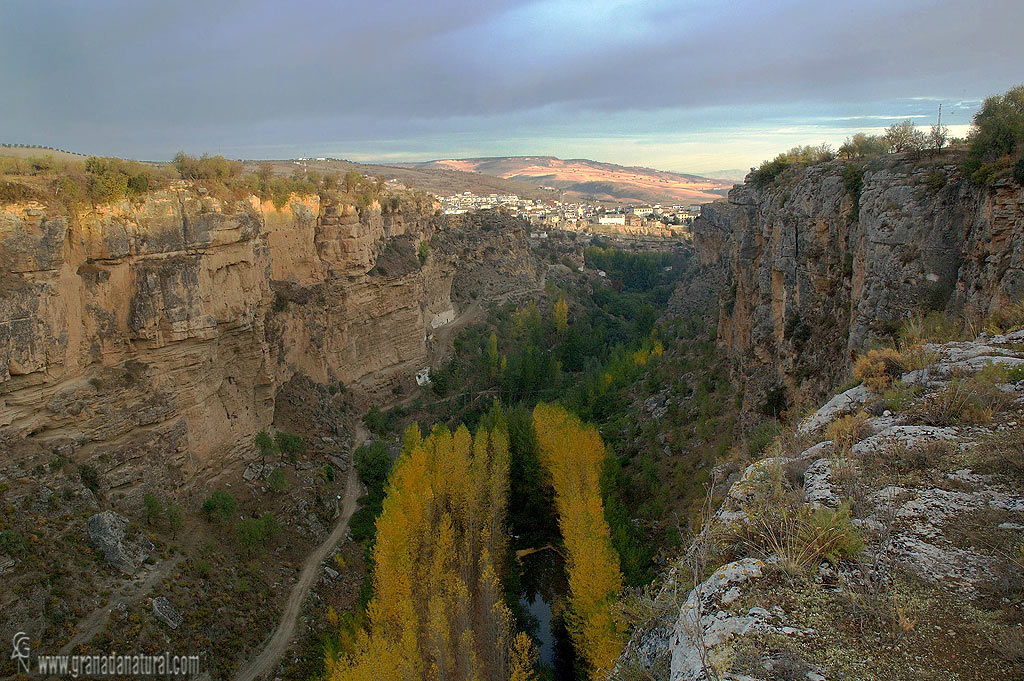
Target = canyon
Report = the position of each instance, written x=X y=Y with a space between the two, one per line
x=150 y=341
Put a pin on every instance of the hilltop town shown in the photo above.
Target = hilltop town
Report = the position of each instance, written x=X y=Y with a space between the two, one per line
x=592 y=218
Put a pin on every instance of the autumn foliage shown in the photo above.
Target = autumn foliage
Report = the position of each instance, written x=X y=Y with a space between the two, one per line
x=437 y=610
x=573 y=455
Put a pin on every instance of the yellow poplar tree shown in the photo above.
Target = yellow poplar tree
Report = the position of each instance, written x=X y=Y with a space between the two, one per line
x=573 y=454
x=437 y=611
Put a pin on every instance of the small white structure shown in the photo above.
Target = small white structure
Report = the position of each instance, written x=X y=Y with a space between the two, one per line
x=612 y=220
x=423 y=377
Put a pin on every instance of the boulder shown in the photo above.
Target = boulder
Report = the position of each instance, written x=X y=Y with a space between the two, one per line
x=107 y=533
x=166 y=613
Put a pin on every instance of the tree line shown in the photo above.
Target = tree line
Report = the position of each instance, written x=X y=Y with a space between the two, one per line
x=437 y=610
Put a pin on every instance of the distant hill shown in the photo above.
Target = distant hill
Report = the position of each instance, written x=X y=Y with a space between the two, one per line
x=736 y=175
x=583 y=178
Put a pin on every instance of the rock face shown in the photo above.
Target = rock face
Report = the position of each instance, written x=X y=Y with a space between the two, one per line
x=149 y=339
x=107 y=532
x=811 y=271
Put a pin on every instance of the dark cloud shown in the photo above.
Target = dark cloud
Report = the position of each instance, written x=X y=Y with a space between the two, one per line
x=144 y=79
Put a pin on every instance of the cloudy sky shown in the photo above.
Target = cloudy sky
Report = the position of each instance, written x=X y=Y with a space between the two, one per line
x=695 y=85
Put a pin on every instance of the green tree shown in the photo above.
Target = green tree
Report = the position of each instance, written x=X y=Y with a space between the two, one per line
x=220 y=507
x=249 y=533
x=904 y=136
x=154 y=509
x=290 y=445
x=561 y=315
x=997 y=134
x=175 y=518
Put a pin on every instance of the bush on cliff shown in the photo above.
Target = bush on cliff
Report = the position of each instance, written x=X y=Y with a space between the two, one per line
x=996 y=137
x=768 y=171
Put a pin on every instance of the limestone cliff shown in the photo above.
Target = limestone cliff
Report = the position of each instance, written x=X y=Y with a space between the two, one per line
x=149 y=338
x=814 y=267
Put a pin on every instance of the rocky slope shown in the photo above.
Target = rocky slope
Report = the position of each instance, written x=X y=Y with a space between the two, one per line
x=150 y=339
x=881 y=540
x=814 y=265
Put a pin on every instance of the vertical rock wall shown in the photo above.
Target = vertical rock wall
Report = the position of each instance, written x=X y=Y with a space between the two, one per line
x=813 y=272
x=149 y=339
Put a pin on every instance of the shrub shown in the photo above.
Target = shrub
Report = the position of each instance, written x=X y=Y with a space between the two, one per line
x=381 y=422
x=878 y=368
x=847 y=431
x=264 y=443
x=768 y=171
x=853 y=180
x=900 y=396
x=11 y=542
x=972 y=401
x=276 y=482
x=423 y=252
x=206 y=167
x=220 y=507
x=761 y=437
x=1006 y=319
x=89 y=477
x=935 y=326
x=802 y=537
x=290 y=444
x=864 y=146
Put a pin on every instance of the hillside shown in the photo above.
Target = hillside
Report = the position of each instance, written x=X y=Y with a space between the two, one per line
x=583 y=178
x=438 y=181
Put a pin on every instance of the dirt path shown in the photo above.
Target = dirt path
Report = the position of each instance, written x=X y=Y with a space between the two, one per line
x=276 y=646
x=96 y=621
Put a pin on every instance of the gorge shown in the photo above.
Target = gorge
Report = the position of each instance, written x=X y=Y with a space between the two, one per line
x=146 y=345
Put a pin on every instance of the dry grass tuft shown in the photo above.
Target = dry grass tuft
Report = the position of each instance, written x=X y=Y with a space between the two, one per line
x=847 y=431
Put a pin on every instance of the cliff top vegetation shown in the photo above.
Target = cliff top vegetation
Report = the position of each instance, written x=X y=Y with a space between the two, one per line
x=993 y=149
x=72 y=184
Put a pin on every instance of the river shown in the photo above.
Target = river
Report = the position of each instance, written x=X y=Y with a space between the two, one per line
x=543 y=589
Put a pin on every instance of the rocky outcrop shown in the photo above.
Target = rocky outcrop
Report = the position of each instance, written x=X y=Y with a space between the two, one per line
x=108 y=532
x=812 y=271
x=934 y=503
x=148 y=339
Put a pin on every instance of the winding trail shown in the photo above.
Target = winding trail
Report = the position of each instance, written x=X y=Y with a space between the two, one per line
x=267 y=659
x=96 y=622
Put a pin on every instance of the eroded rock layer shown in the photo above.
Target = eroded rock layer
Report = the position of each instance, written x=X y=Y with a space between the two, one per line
x=149 y=339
